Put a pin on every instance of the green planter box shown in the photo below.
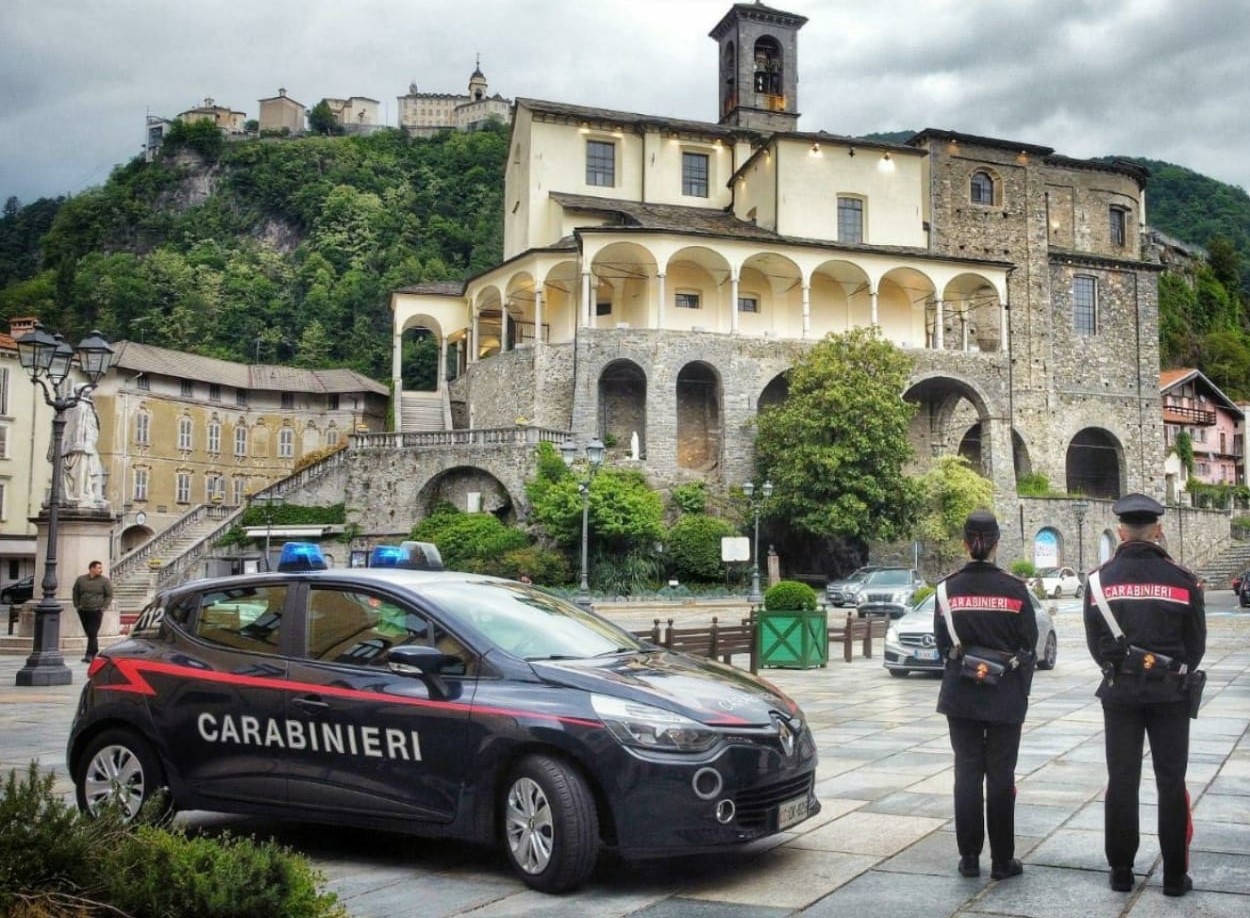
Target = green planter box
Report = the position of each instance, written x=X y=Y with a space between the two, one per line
x=793 y=640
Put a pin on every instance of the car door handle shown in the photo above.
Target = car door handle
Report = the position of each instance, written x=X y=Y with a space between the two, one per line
x=311 y=705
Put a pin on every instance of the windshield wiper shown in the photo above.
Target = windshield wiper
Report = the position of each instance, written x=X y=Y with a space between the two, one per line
x=615 y=651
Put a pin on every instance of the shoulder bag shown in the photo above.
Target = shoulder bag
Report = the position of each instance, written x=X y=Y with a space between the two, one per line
x=982 y=665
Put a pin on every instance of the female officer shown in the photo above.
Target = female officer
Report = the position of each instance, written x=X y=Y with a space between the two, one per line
x=991 y=613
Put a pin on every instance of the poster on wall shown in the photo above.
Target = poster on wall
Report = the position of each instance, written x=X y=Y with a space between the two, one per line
x=1046 y=549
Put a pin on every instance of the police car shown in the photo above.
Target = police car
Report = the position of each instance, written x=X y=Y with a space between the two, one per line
x=442 y=704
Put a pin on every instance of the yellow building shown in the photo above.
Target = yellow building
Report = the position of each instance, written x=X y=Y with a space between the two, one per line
x=230 y=121
x=282 y=113
x=178 y=430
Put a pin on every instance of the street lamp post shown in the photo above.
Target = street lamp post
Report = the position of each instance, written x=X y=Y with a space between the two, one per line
x=47 y=358
x=269 y=501
x=1079 y=507
x=766 y=491
x=594 y=459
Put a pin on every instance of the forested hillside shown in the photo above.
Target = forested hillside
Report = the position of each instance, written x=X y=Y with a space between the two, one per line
x=279 y=251
x=285 y=251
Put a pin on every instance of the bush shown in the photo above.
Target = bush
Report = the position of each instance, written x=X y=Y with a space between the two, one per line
x=693 y=547
x=921 y=595
x=690 y=498
x=468 y=541
x=54 y=861
x=1023 y=569
x=1033 y=484
x=625 y=573
x=542 y=565
x=789 y=596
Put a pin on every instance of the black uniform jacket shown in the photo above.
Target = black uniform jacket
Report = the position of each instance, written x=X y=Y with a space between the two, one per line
x=990 y=608
x=1159 y=607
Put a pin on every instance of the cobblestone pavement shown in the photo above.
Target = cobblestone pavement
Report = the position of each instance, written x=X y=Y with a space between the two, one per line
x=884 y=842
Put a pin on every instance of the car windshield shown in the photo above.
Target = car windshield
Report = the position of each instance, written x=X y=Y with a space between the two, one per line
x=528 y=623
x=1048 y=572
x=890 y=577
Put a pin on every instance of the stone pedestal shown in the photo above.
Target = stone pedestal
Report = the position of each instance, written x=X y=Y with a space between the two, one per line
x=83 y=536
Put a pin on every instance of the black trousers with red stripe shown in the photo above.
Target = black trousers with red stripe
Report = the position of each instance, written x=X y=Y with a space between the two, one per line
x=1167 y=726
x=985 y=786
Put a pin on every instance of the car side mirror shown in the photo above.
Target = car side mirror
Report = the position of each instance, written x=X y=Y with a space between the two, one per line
x=422 y=660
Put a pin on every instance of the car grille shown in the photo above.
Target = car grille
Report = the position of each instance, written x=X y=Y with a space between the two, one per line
x=916 y=640
x=880 y=597
x=754 y=805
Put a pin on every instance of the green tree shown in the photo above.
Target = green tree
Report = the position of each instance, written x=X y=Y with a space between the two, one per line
x=321 y=120
x=949 y=491
x=693 y=547
x=836 y=448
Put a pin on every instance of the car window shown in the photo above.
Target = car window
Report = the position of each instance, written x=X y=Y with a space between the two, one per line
x=891 y=577
x=528 y=623
x=357 y=627
x=242 y=618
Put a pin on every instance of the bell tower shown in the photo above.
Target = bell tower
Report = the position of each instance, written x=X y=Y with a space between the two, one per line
x=759 y=81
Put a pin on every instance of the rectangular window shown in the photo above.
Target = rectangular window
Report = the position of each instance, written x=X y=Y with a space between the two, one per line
x=187 y=389
x=334 y=401
x=687 y=301
x=694 y=174
x=1085 y=305
x=142 y=381
x=4 y=442
x=748 y=304
x=603 y=308
x=4 y=504
x=143 y=428
x=288 y=400
x=244 y=618
x=286 y=443
x=600 y=163
x=4 y=390
x=240 y=397
x=182 y=488
x=214 y=438
x=1119 y=226
x=240 y=487
x=141 y=484
x=240 y=441
x=184 y=433
x=850 y=220
x=214 y=392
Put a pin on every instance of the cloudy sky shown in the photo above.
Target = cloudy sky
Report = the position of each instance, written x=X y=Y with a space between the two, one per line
x=1166 y=79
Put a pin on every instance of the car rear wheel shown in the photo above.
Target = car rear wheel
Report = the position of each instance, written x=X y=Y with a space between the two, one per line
x=550 y=826
x=120 y=769
x=1050 y=653
x=1058 y=594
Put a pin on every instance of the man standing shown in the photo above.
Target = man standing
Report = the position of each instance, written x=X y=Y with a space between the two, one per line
x=92 y=594
x=1145 y=624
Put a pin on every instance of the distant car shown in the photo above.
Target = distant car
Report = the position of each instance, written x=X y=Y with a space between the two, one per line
x=910 y=644
x=1057 y=582
x=1238 y=581
x=888 y=591
x=19 y=591
x=842 y=592
x=1243 y=591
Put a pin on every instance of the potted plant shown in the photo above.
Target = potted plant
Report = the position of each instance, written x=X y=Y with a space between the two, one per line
x=793 y=629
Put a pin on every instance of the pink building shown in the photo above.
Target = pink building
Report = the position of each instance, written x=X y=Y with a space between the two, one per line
x=1215 y=424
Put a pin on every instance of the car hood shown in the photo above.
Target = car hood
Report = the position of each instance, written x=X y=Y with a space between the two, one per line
x=915 y=622
x=701 y=689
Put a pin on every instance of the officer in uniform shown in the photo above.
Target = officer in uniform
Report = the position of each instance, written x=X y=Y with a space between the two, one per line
x=992 y=609
x=1159 y=608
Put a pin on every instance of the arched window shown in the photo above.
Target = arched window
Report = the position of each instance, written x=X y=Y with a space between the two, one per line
x=768 y=67
x=982 y=188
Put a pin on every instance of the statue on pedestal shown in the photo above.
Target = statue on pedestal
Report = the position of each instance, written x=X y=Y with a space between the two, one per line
x=82 y=472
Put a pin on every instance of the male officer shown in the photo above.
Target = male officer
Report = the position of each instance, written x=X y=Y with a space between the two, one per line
x=1157 y=607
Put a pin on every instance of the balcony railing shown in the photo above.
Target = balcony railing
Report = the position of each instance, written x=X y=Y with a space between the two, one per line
x=1195 y=417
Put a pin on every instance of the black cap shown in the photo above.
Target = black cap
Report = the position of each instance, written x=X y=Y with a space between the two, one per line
x=1137 y=509
x=981 y=523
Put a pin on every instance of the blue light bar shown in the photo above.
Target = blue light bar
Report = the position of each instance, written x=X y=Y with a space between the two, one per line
x=387 y=556
x=422 y=556
x=301 y=556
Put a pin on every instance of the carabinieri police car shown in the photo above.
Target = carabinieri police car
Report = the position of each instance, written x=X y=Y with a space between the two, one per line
x=441 y=704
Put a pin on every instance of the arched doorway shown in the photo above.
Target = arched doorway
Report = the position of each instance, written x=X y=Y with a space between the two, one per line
x=1094 y=465
x=698 y=417
x=623 y=407
x=468 y=489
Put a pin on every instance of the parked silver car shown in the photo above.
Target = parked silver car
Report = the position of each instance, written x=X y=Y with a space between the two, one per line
x=841 y=592
x=910 y=644
x=888 y=591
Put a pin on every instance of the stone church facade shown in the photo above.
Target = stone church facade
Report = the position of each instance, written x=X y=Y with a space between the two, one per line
x=660 y=277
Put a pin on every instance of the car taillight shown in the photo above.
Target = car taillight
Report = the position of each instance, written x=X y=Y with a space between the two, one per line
x=96 y=665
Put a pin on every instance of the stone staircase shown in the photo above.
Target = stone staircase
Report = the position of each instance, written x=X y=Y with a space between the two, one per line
x=1220 y=570
x=424 y=411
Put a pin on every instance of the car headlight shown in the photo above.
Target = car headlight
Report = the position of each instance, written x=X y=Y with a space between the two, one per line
x=645 y=727
x=891 y=634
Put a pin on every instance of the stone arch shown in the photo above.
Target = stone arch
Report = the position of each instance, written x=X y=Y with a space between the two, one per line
x=901 y=297
x=561 y=289
x=469 y=489
x=970 y=449
x=1094 y=465
x=769 y=67
x=1047 y=547
x=417 y=372
x=972 y=315
x=488 y=321
x=518 y=310
x=948 y=407
x=134 y=536
x=704 y=273
x=623 y=276
x=699 y=413
x=775 y=282
x=775 y=393
x=623 y=406
x=1020 y=458
x=841 y=298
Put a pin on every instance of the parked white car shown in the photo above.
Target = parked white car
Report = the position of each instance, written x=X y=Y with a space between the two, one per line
x=1057 y=582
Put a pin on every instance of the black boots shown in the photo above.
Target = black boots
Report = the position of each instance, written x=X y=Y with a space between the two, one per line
x=1011 y=868
x=969 y=866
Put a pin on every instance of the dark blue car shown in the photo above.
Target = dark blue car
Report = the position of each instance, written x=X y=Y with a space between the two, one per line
x=441 y=704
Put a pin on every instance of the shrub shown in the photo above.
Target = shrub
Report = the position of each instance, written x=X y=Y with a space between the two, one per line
x=542 y=565
x=466 y=540
x=921 y=595
x=690 y=498
x=1033 y=484
x=625 y=573
x=1023 y=568
x=693 y=547
x=789 y=596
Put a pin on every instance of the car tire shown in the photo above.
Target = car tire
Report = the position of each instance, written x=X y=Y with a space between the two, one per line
x=549 y=824
x=1050 y=653
x=900 y=673
x=120 y=767
x=1058 y=594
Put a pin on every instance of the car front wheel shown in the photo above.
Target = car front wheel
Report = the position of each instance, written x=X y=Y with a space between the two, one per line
x=120 y=769
x=1058 y=594
x=900 y=673
x=550 y=825
x=1050 y=653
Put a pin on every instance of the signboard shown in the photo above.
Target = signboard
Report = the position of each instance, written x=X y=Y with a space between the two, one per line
x=1046 y=549
x=735 y=548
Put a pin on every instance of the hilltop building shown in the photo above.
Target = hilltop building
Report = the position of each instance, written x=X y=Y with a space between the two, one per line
x=229 y=120
x=424 y=114
x=357 y=114
x=661 y=276
x=281 y=113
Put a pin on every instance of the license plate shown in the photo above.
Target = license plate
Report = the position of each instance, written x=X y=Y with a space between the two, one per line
x=792 y=811
x=927 y=653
